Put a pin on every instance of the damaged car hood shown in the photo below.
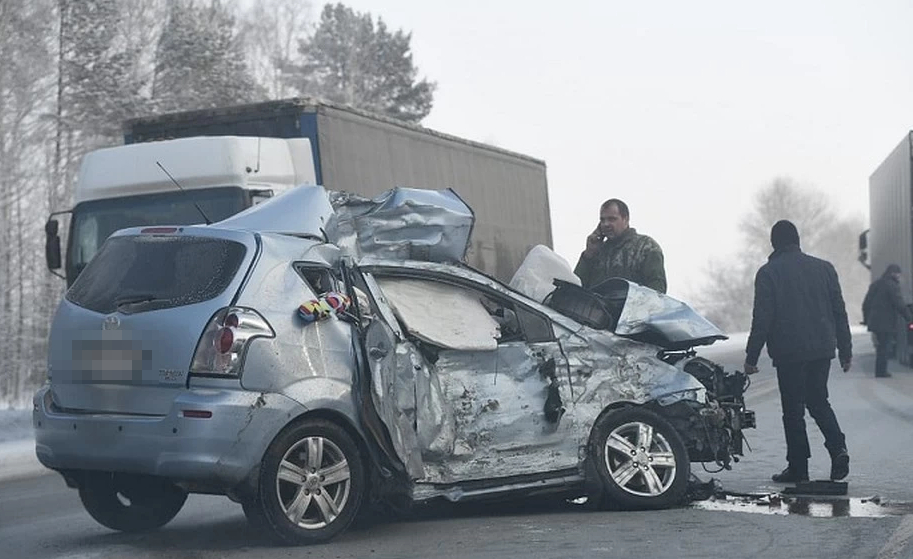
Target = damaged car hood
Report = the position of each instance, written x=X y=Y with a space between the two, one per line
x=657 y=315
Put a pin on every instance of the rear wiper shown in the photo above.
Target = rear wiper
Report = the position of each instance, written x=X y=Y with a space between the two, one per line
x=134 y=300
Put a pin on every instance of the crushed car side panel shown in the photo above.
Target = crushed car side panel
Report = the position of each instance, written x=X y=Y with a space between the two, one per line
x=497 y=402
x=480 y=409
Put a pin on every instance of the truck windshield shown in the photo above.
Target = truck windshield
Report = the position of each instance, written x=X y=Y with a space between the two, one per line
x=94 y=221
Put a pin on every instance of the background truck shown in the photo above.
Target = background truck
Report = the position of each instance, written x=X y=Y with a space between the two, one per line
x=890 y=235
x=125 y=186
x=348 y=150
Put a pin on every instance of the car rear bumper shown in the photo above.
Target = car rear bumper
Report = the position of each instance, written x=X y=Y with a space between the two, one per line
x=218 y=451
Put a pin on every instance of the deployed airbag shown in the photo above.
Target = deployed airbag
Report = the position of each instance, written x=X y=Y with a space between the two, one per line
x=440 y=314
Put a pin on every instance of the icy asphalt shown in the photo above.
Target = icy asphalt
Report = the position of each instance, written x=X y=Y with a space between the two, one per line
x=17 y=445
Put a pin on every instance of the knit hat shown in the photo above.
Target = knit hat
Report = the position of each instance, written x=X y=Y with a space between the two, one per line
x=783 y=234
x=892 y=269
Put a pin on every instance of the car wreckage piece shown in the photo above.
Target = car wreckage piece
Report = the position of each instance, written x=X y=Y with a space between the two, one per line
x=433 y=380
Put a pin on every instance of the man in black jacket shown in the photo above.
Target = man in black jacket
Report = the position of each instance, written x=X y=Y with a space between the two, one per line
x=880 y=309
x=800 y=315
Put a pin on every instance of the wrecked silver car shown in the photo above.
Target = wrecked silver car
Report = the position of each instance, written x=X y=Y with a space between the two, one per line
x=321 y=352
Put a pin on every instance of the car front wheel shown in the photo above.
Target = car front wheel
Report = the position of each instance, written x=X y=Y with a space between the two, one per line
x=312 y=483
x=640 y=459
x=130 y=503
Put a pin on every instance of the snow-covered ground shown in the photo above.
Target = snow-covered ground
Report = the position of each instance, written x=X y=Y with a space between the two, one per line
x=15 y=425
x=17 y=445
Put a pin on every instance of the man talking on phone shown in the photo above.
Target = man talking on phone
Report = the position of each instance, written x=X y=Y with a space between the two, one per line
x=616 y=250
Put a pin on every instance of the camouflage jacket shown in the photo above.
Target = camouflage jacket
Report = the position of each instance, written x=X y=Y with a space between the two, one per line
x=631 y=256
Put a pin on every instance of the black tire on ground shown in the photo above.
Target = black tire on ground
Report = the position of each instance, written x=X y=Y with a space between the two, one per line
x=640 y=459
x=312 y=483
x=253 y=511
x=129 y=502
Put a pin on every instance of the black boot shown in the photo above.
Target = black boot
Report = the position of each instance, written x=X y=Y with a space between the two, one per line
x=840 y=465
x=791 y=475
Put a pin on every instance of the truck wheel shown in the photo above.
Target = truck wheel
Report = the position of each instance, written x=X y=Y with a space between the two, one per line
x=312 y=483
x=640 y=459
x=130 y=503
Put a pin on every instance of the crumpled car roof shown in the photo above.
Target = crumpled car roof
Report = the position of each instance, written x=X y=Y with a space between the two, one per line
x=435 y=226
x=399 y=224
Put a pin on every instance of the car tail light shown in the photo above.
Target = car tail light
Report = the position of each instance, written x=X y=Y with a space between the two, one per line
x=225 y=339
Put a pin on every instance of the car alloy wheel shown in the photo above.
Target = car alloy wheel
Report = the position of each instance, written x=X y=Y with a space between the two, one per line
x=640 y=459
x=312 y=483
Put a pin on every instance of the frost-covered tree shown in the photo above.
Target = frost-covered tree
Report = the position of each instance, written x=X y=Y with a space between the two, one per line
x=200 y=60
x=100 y=83
x=272 y=31
x=26 y=95
x=727 y=293
x=352 y=60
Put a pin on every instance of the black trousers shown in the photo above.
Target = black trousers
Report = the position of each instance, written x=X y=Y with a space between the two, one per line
x=804 y=386
x=884 y=344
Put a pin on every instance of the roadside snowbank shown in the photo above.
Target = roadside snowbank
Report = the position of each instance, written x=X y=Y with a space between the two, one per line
x=15 y=425
x=17 y=445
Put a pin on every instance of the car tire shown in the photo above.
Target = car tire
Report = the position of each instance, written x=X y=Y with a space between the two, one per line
x=253 y=511
x=640 y=460
x=130 y=503
x=312 y=484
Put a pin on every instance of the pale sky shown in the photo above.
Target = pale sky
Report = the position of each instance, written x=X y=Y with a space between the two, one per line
x=682 y=109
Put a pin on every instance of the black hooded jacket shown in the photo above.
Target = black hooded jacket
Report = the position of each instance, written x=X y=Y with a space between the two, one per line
x=798 y=310
x=883 y=303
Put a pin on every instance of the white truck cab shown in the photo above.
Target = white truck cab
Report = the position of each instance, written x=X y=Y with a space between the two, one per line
x=173 y=182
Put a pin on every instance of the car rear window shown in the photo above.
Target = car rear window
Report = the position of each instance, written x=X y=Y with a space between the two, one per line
x=148 y=272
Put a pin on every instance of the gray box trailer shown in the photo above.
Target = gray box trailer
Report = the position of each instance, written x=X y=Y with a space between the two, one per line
x=368 y=154
x=890 y=236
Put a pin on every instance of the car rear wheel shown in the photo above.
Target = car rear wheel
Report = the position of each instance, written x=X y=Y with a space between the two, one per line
x=130 y=503
x=312 y=483
x=640 y=459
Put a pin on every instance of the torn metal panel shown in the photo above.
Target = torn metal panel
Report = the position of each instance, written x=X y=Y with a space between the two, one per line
x=611 y=368
x=383 y=306
x=496 y=400
x=403 y=224
x=394 y=368
x=304 y=211
x=538 y=484
x=606 y=369
x=441 y=314
x=435 y=423
x=323 y=254
x=647 y=310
